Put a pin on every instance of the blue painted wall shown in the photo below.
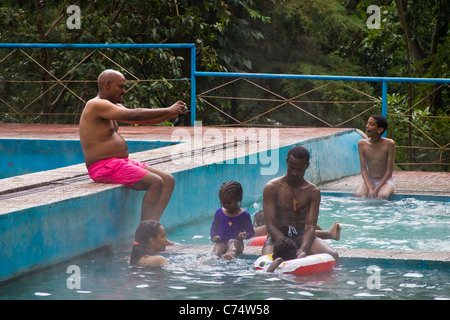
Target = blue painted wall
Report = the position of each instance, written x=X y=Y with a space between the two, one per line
x=196 y=190
x=48 y=234
x=44 y=235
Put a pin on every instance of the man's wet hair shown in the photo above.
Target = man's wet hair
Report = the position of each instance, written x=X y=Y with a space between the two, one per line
x=298 y=152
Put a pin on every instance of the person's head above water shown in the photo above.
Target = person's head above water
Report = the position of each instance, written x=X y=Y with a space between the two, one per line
x=298 y=152
x=233 y=189
x=285 y=248
x=297 y=161
x=230 y=194
x=149 y=239
x=111 y=85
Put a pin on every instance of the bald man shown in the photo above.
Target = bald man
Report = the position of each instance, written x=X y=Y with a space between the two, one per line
x=106 y=152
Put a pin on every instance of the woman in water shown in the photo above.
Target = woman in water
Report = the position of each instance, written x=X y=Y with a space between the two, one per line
x=231 y=223
x=150 y=238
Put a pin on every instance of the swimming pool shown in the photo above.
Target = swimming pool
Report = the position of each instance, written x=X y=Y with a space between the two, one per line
x=201 y=276
x=405 y=223
x=21 y=156
x=204 y=277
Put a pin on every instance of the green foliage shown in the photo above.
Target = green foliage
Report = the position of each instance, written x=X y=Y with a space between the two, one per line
x=325 y=37
x=205 y=23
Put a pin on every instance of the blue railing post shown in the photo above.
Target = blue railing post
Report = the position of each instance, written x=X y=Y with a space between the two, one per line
x=193 y=86
x=384 y=101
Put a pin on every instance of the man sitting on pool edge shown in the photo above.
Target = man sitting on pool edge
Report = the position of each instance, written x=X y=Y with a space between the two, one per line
x=291 y=208
x=106 y=152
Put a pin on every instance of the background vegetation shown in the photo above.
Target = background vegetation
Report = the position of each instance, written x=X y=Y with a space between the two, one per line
x=324 y=37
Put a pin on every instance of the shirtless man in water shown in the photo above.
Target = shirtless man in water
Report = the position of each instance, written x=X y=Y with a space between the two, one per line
x=106 y=152
x=291 y=208
x=376 y=156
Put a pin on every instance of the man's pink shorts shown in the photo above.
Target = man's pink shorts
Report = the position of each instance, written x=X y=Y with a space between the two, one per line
x=118 y=170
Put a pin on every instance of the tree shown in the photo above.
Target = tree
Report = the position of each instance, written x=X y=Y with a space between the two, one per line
x=133 y=21
x=413 y=41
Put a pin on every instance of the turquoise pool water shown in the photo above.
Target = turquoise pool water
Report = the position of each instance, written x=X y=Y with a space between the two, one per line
x=204 y=277
x=21 y=156
x=201 y=276
x=405 y=223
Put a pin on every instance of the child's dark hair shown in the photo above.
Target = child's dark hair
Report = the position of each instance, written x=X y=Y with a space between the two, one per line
x=284 y=248
x=232 y=188
x=258 y=219
x=298 y=152
x=147 y=229
x=381 y=121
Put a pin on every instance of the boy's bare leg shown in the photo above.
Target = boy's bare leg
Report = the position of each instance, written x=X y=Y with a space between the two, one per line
x=362 y=191
x=385 y=191
x=333 y=233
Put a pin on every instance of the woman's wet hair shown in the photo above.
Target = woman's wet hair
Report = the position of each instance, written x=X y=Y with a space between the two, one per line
x=146 y=230
x=233 y=189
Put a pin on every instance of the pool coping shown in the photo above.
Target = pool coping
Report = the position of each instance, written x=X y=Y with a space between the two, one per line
x=73 y=181
x=365 y=256
x=407 y=183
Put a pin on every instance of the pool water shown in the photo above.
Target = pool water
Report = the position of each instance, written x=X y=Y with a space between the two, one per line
x=204 y=277
x=407 y=223
x=404 y=224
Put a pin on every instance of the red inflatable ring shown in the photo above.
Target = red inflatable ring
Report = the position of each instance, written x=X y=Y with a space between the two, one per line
x=256 y=241
x=316 y=263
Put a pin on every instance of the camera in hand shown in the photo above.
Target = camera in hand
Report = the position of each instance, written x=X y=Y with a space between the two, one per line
x=178 y=120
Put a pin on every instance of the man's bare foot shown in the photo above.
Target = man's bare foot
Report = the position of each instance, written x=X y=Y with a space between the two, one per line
x=335 y=231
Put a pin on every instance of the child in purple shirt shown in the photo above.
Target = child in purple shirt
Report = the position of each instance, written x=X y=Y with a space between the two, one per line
x=231 y=223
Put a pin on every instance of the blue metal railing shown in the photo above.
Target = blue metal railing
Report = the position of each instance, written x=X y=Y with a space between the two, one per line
x=383 y=80
x=190 y=46
x=194 y=73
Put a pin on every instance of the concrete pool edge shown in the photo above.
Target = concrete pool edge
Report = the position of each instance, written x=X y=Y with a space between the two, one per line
x=396 y=196
x=414 y=183
x=363 y=256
